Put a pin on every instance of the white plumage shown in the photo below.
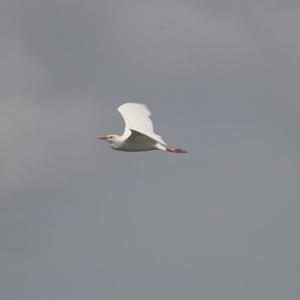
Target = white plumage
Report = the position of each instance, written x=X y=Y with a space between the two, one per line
x=139 y=134
x=137 y=117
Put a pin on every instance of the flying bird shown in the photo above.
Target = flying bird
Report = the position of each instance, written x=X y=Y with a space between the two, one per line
x=139 y=134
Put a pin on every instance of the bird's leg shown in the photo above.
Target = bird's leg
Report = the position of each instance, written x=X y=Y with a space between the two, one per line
x=176 y=150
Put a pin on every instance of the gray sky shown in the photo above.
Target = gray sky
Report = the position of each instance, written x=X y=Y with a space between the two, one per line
x=80 y=221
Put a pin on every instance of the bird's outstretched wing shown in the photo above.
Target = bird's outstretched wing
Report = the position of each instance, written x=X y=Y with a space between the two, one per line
x=137 y=117
x=140 y=138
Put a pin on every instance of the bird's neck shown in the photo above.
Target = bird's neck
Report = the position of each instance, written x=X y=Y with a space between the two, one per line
x=117 y=141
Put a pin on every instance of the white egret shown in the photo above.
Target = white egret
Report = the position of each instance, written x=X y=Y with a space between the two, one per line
x=139 y=133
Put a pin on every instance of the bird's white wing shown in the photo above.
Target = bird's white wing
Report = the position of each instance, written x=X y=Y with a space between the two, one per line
x=137 y=116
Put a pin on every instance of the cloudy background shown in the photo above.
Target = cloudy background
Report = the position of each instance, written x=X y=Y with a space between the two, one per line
x=80 y=221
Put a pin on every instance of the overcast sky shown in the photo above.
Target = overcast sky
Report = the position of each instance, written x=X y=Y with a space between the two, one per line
x=81 y=221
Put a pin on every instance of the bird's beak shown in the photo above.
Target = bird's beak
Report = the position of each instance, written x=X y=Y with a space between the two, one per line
x=102 y=138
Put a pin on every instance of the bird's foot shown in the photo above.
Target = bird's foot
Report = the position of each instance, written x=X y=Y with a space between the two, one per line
x=176 y=150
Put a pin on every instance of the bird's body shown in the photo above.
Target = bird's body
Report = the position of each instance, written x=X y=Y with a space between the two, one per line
x=134 y=143
x=139 y=134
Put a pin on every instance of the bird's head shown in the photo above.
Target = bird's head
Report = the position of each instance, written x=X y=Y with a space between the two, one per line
x=111 y=138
